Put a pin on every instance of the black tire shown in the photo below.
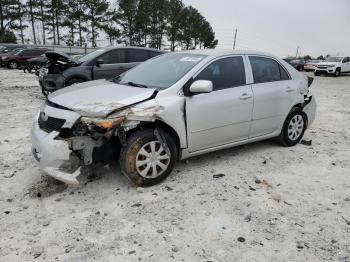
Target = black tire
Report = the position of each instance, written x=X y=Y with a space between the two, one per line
x=12 y=64
x=337 y=72
x=284 y=137
x=317 y=74
x=130 y=152
x=74 y=81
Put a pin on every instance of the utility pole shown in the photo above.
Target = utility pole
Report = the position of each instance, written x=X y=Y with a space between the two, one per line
x=296 y=55
x=234 y=42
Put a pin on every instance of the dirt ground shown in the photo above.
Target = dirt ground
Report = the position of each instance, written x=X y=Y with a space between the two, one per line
x=259 y=202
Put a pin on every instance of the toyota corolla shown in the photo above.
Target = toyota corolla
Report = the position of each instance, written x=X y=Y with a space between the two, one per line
x=169 y=108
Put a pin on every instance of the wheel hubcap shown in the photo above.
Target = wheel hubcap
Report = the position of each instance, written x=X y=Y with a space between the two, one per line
x=152 y=160
x=295 y=127
x=13 y=65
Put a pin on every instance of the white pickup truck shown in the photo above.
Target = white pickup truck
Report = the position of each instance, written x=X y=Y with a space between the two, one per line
x=334 y=65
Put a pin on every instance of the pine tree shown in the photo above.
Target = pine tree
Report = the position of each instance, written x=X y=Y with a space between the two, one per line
x=126 y=18
x=175 y=16
x=95 y=11
x=8 y=17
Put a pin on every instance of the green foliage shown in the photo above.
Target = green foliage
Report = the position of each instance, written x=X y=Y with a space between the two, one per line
x=149 y=23
x=9 y=37
x=10 y=15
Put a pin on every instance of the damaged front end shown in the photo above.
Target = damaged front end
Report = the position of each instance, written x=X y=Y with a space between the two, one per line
x=50 y=77
x=65 y=142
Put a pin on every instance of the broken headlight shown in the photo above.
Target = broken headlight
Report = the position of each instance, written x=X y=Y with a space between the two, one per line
x=108 y=123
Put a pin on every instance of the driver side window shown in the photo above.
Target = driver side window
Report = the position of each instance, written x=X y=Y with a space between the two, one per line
x=224 y=73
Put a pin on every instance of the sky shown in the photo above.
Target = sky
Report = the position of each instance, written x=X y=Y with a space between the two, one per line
x=280 y=26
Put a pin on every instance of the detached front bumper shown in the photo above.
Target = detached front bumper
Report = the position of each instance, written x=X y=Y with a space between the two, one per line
x=54 y=157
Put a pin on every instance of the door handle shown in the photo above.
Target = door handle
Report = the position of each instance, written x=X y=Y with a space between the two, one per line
x=245 y=96
x=289 y=89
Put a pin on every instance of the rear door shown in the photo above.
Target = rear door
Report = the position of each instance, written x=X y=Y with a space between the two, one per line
x=114 y=64
x=224 y=115
x=274 y=93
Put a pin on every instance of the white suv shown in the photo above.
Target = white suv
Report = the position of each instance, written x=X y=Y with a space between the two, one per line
x=334 y=65
x=171 y=107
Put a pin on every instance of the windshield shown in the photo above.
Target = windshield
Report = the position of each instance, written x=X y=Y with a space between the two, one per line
x=91 y=55
x=160 y=72
x=2 y=48
x=334 y=59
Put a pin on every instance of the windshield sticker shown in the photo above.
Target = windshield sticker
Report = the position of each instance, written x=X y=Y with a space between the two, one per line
x=191 y=59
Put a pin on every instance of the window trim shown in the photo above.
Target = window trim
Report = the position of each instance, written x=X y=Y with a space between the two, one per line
x=272 y=58
x=219 y=58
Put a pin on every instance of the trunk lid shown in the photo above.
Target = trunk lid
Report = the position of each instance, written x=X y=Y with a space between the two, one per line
x=99 y=98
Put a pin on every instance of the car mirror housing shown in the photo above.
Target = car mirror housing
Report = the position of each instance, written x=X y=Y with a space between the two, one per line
x=201 y=86
x=99 y=62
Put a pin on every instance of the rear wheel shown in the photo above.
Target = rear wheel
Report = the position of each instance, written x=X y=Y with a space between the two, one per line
x=145 y=161
x=13 y=64
x=293 y=128
x=317 y=74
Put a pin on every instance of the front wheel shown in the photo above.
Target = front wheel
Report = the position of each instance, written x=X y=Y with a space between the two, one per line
x=145 y=161
x=74 y=81
x=293 y=128
x=337 y=72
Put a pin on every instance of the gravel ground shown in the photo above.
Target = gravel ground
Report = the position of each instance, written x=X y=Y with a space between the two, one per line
x=259 y=202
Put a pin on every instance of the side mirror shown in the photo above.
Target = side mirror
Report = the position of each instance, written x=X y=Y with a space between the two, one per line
x=99 y=62
x=201 y=86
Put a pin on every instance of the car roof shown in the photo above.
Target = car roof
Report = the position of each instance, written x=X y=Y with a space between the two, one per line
x=224 y=52
x=133 y=47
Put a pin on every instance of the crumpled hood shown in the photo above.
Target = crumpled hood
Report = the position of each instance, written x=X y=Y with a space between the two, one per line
x=59 y=56
x=99 y=98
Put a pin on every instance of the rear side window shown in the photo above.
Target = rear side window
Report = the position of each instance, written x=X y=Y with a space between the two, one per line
x=38 y=52
x=136 y=55
x=284 y=74
x=267 y=70
x=114 y=57
x=26 y=52
x=224 y=73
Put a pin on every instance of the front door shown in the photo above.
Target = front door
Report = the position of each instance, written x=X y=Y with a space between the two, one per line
x=224 y=115
x=115 y=63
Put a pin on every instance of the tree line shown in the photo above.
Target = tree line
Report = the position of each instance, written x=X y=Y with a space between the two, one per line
x=148 y=23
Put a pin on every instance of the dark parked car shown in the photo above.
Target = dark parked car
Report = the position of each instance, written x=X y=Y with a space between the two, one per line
x=298 y=64
x=14 y=51
x=18 y=59
x=104 y=63
x=9 y=48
